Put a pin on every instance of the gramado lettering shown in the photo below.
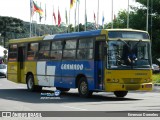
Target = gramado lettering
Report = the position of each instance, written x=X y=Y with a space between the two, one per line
x=72 y=66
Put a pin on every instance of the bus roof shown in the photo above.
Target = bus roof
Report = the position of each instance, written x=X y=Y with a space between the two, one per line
x=58 y=36
x=73 y=35
x=69 y=35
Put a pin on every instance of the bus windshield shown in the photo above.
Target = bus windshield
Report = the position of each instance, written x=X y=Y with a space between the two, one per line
x=128 y=54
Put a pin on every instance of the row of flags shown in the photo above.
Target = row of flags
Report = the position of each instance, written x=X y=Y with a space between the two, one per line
x=34 y=8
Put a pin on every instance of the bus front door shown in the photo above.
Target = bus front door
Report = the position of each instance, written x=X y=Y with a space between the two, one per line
x=20 y=71
x=99 y=64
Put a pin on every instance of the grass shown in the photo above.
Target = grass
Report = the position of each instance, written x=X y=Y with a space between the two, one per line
x=156 y=78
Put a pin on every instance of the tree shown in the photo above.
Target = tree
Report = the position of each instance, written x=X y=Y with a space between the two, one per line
x=154 y=29
x=9 y=25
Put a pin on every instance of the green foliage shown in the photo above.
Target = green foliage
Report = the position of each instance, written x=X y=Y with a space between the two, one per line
x=156 y=78
x=8 y=26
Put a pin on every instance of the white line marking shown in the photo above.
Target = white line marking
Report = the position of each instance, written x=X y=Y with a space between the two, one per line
x=73 y=107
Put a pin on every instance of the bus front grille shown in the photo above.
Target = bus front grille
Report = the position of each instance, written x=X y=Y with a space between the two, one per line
x=132 y=80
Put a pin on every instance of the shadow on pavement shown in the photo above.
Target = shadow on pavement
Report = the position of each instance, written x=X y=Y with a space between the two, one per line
x=35 y=97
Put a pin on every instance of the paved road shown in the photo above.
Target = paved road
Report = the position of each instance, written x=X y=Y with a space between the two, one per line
x=15 y=97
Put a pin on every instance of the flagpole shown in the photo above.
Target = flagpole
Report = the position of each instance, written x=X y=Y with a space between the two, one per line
x=112 y=15
x=94 y=20
x=69 y=21
x=40 y=21
x=85 y=16
x=75 y=17
x=78 y=17
x=32 y=27
x=147 y=16
x=151 y=19
x=98 y=15
x=66 y=18
x=45 y=13
x=30 y=35
x=52 y=15
x=31 y=5
x=128 y=16
x=36 y=23
x=45 y=19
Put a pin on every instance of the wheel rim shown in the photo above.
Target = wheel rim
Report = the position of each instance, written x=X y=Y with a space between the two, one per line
x=30 y=83
x=84 y=87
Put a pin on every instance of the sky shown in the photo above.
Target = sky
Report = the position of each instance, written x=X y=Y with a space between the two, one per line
x=21 y=9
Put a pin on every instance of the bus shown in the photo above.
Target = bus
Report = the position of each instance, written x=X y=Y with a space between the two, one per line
x=90 y=61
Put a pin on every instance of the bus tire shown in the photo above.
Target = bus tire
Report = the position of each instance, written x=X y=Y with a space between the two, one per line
x=83 y=88
x=30 y=83
x=63 y=89
x=120 y=93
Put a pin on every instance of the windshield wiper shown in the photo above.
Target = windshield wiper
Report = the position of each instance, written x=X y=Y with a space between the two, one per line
x=124 y=42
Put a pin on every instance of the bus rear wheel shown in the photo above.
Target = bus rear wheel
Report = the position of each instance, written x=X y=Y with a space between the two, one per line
x=120 y=93
x=83 y=88
x=31 y=86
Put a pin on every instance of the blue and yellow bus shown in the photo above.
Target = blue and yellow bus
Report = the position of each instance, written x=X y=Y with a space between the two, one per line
x=111 y=60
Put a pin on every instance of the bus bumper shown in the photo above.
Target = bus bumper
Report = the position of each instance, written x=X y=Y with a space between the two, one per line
x=111 y=87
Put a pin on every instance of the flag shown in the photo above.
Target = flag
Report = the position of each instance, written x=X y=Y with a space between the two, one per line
x=66 y=16
x=103 y=20
x=59 y=18
x=95 y=20
x=54 y=15
x=71 y=3
x=37 y=9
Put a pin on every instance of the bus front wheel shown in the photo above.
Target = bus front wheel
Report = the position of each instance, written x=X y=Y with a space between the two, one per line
x=83 y=88
x=120 y=93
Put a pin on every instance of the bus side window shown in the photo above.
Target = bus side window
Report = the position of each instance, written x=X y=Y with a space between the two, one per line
x=85 y=54
x=32 y=52
x=85 y=48
x=56 y=50
x=44 y=50
x=69 y=51
x=12 y=52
